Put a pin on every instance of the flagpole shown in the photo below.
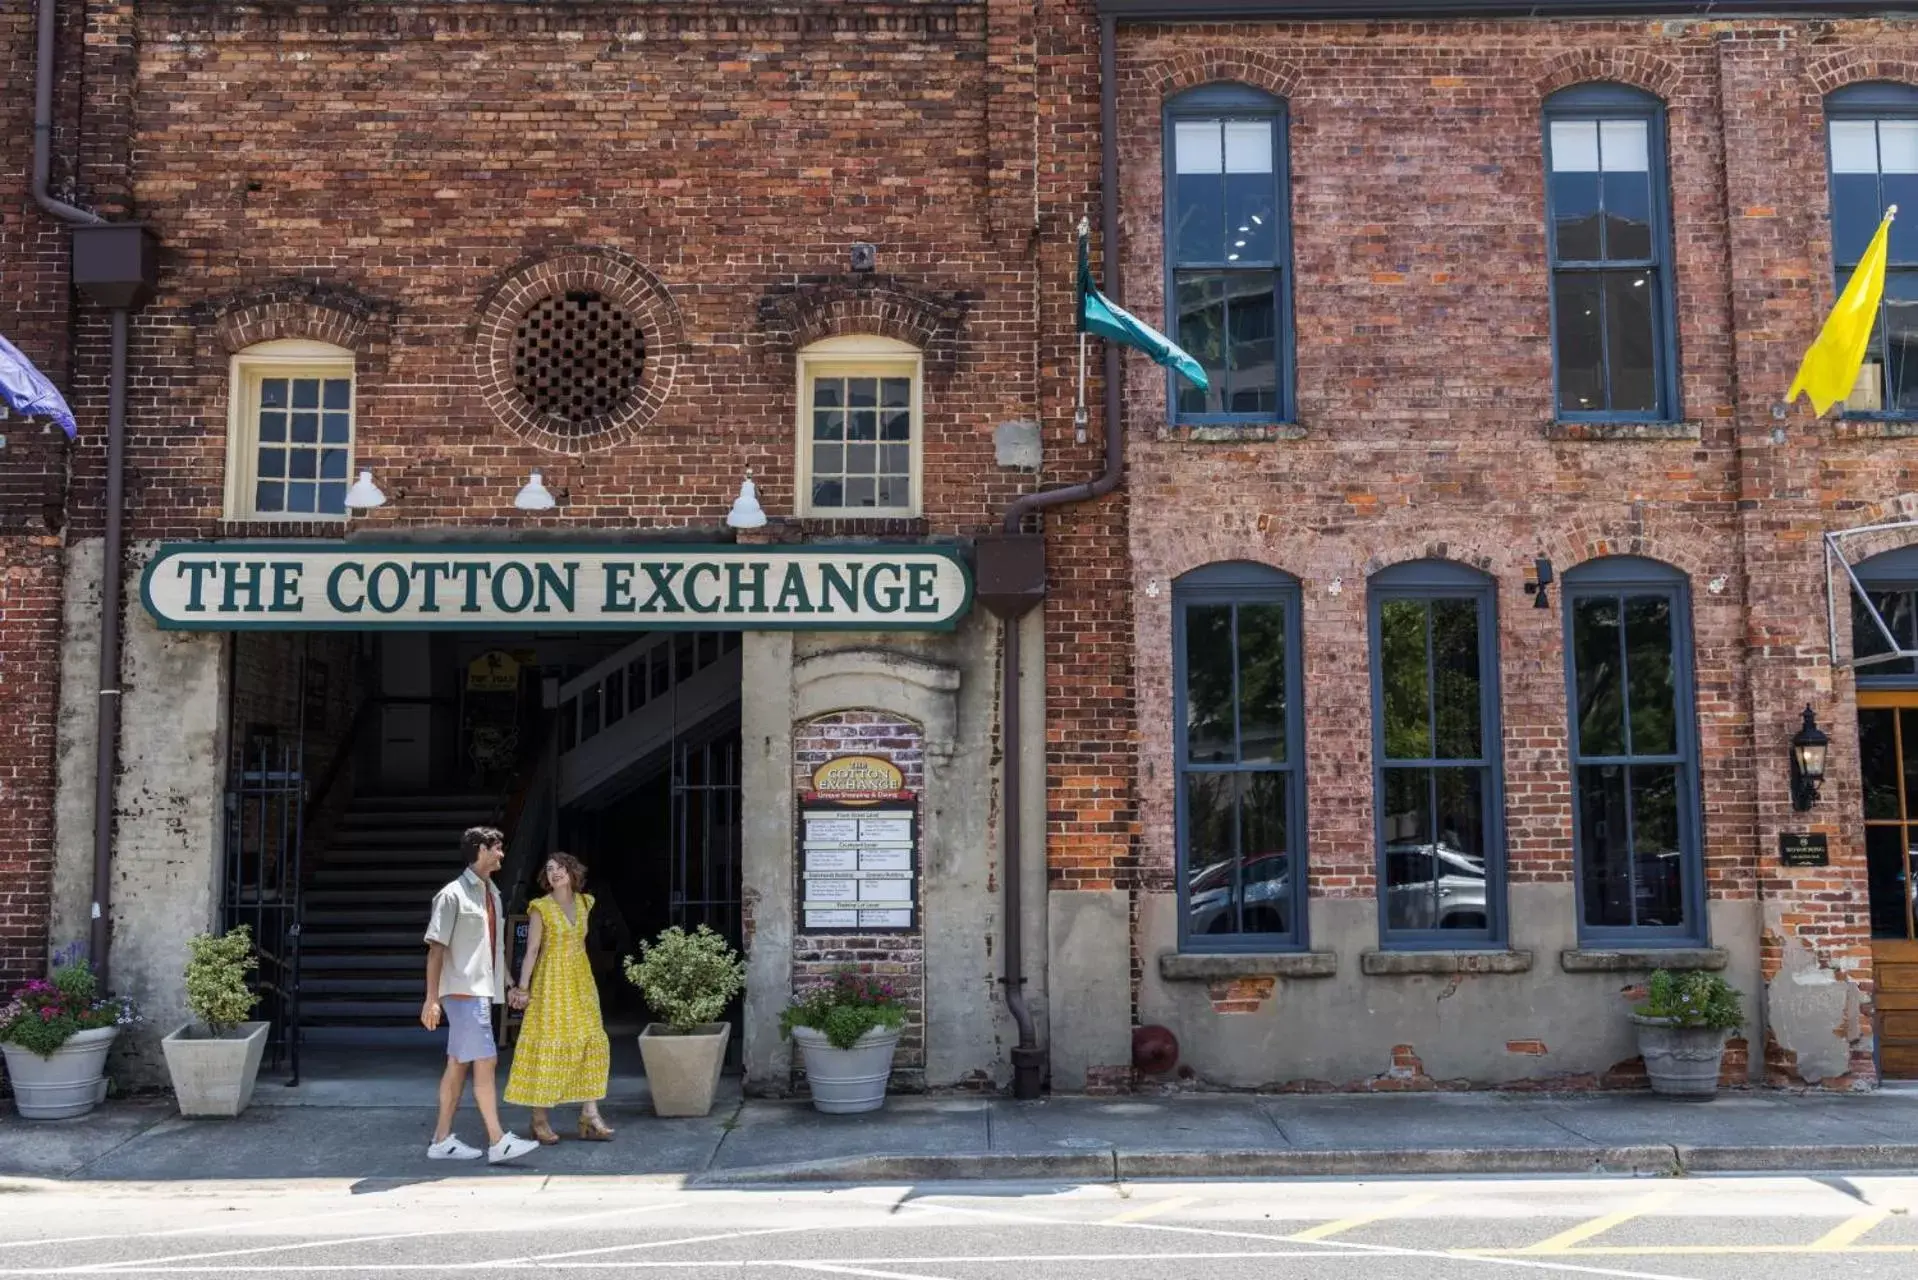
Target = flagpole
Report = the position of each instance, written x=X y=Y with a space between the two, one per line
x=1079 y=418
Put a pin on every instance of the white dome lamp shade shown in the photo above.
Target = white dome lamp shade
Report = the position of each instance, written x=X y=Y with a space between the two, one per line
x=746 y=512
x=535 y=496
x=364 y=495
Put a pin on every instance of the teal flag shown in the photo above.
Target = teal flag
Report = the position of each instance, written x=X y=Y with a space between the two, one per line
x=1099 y=314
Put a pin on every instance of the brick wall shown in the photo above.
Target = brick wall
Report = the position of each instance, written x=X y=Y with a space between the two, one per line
x=1426 y=427
x=30 y=608
x=900 y=958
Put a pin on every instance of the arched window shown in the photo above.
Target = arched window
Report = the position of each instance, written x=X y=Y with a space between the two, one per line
x=1228 y=252
x=1435 y=748
x=1609 y=243
x=1634 y=746
x=1874 y=165
x=1237 y=748
x=290 y=430
x=861 y=428
x=1891 y=581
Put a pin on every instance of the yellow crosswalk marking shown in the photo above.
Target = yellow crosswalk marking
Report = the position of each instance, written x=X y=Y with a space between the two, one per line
x=1150 y=1209
x=1849 y=1231
x=1564 y=1240
x=1326 y=1230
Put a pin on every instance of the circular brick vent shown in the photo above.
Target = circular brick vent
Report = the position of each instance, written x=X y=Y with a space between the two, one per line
x=577 y=359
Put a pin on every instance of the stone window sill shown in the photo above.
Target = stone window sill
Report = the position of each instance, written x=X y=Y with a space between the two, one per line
x=1875 y=428
x=1175 y=966
x=1624 y=430
x=1233 y=432
x=1641 y=959
x=1380 y=964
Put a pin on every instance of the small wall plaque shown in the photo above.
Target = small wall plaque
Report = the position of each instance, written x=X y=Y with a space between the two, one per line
x=1803 y=849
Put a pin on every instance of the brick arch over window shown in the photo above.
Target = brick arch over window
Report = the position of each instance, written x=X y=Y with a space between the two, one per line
x=331 y=313
x=1277 y=76
x=810 y=310
x=1843 y=68
x=1637 y=68
x=1864 y=546
x=621 y=280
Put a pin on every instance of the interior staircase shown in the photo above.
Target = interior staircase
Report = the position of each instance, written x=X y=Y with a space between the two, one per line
x=363 y=915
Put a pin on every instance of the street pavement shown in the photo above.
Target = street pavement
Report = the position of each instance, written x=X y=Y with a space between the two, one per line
x=1805 y=1228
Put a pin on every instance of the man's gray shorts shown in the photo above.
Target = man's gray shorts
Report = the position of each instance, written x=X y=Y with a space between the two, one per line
x=469 y=1030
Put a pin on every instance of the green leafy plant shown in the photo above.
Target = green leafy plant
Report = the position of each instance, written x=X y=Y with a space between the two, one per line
x=845 y=1008
x=688 y=979
x=216 y=969
x=47 y=1012
x=1695 y=999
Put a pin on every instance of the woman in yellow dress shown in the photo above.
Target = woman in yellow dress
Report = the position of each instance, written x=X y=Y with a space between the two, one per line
x=562 y=1055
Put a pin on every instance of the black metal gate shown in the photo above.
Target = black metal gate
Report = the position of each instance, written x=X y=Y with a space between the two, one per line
x=265 y=814
x=706 y=838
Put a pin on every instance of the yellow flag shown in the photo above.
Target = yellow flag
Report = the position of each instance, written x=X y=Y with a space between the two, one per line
x=1829 y=370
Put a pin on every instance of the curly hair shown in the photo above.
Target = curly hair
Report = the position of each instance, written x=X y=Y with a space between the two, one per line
x=574 y=868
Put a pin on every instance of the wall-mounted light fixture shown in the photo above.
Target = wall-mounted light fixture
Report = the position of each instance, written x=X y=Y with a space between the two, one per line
x=364 y=495
x=535 y=496
x=1808 y=748
x=746 y=512
x=1538 y=589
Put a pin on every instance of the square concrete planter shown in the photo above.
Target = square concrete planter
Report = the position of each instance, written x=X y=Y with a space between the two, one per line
x=683 y=1070
x=214 y=1076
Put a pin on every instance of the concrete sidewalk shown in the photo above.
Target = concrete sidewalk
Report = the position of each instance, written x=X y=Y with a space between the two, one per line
x=918 y=1139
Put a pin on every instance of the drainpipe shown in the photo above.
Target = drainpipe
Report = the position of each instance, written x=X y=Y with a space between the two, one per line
x=115 y=265
x=1011 y=583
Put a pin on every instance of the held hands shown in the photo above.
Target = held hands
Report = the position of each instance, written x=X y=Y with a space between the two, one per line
x=430 y=1015
x=518 y=998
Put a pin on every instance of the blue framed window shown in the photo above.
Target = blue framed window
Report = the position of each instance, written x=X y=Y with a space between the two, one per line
x=1437 y=790
x=1608 y=239
x=1237 y=756
x=1873 y=134
x=1228 y=253
x=1634 y=740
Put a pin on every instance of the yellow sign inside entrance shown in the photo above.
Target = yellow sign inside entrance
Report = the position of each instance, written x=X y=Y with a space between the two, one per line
x=494 y=672
x=856 y=778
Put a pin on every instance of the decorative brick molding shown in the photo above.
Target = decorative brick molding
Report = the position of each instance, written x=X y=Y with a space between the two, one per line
x=310 y=309
x=1845 y=67
x=1277 y=76
x=622 y=281
x=813 y=308
x=1640 y=68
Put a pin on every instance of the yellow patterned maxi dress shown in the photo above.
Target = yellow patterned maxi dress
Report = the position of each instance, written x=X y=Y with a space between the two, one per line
x=562 y=1056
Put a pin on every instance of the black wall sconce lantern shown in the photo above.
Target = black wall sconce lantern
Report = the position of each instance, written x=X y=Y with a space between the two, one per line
x=1808 y=747
x=1538 y=590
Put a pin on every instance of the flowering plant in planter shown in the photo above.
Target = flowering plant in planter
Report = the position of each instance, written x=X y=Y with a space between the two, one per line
x=47 y=1012
x=846 y=1007
x=1695 y=999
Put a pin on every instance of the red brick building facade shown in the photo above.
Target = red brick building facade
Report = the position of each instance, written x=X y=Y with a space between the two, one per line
x=407 y=185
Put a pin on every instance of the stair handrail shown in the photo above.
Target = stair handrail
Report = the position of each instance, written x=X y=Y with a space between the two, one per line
x=316 y=795
x=595 y=675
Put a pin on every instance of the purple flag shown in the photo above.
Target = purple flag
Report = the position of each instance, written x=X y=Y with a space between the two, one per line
x=27 y=390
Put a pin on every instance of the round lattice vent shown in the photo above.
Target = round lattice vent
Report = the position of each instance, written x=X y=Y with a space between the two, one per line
x=577 y=359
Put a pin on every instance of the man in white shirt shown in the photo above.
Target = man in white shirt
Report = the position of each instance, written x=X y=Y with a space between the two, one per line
x=465 y=978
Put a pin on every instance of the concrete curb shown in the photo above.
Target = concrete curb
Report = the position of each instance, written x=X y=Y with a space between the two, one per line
x=1649 y=1159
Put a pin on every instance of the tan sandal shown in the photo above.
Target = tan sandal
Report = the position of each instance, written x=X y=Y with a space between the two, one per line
x=594 y=1130
x=544 y=1135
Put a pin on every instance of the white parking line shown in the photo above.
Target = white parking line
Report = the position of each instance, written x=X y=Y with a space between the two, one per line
x=148 y=1264
x=209 y=1228
x=833 y=1270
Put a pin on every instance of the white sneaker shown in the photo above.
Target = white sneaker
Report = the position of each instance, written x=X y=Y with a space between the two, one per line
x=509 y=1147
x=451 y=1148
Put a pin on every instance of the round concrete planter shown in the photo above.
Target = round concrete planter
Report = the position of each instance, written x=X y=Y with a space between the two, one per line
x=1681 y=1062
x=213 y=1076
x=682 y=1071
x=72 y=1082
x=847 y=1081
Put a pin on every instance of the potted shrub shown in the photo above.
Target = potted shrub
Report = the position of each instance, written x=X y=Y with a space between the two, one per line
x=215 y=1059
x=688 y=979
x=847 y=1029
x=1682 y=1028
x=55 y=1034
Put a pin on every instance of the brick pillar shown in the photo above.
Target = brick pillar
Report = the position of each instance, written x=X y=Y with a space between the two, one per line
x=30 y=612
x=1816 y=944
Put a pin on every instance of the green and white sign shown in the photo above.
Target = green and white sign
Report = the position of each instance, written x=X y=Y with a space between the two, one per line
x=341 y=586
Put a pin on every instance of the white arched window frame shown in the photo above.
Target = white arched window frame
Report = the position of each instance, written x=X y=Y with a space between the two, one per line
x=860 y=429
x=291 y=423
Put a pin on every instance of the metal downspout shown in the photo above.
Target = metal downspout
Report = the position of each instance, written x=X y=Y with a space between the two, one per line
x=107 y=746
x=1027 y=1057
